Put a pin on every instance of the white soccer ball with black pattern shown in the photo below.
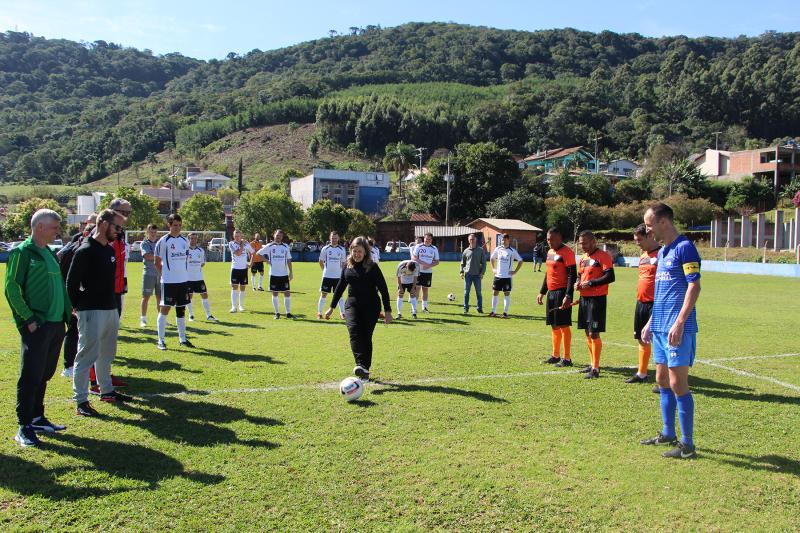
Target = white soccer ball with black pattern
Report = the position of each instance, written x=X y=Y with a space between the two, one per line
x=451 y=297
x=351 y=389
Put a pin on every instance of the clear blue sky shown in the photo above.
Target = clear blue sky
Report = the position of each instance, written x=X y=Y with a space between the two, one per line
x=210 y=29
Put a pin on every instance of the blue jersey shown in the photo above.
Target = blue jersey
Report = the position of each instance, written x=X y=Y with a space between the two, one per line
x=678 y=265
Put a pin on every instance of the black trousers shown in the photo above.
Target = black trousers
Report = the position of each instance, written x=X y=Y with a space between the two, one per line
x=38 y=362
x=71 y=342
x=360 y=325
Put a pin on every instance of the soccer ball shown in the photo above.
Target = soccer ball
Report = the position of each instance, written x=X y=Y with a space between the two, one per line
x=451 y=297
x=351 y=389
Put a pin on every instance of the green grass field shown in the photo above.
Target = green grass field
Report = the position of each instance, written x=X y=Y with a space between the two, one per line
x=247 y=431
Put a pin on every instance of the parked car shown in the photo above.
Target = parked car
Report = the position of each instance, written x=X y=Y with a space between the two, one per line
x=136 y=246
x=217 y=244
x=313 y=246
x=401 y=247
x=297 y=246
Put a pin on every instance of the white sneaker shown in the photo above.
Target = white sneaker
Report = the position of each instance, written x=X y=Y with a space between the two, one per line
x=67 y=372
x=142 y=324
x=241 y=309
x=233 y=309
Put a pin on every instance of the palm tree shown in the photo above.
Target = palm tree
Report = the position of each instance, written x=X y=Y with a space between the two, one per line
x=399 y=158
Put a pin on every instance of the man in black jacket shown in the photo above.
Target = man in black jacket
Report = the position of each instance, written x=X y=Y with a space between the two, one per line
x=90 y=285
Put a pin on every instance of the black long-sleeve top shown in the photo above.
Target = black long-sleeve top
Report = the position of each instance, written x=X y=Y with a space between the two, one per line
x=90 y=281
x=572 y=276
x=364 y=286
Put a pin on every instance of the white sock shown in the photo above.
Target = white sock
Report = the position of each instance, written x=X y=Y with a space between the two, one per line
x=162 y=326
x=506 y=303
x=253 y=283
x=241 y=299
x=207 y=307
x=234 y=297
x=275 y=304
x=181 y=328
x=320 y=305
x=424 y=303
x=191 y=312
x=341 y=305
x=287 y=302
x=413 y=302
x=261 y=281
x=143 y=318
x=494 y=303
x=399 y=305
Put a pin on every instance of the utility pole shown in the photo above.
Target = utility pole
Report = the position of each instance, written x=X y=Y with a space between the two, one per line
x=172 y=190
x=420 y=150
x=447 y=178
x=597 y=137
x=716 y=135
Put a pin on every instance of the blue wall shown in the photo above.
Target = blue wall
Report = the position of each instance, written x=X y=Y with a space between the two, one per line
x=371 y=199
x=741 y=267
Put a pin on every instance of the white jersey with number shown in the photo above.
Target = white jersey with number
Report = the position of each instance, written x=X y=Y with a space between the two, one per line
x=278 y=256
x=174 y=258
x=196 y=260
x=425 y=254
x=405 y=274
x=504 y=258
x=239 y=262
x=333 y=258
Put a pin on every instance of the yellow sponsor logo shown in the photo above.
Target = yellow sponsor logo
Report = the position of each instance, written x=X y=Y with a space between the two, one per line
x=691 y=268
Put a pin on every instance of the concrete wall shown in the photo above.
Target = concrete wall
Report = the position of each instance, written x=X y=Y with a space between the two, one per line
x=740 y=267
x=302 y=191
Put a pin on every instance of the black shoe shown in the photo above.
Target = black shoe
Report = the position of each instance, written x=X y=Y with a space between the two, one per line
x=413 y=315
x=289 y=315
x=187 y=343
x=564 y=363
x=161 y=345
x=261 y=289
x=425 y=310
x=43 y=425
x=26 y=436
x=552 y=360
x=85 y=409
x=115 y=397
x=479 y=311
x=636 y=378
x=585 y=369
x=656 y=390
x=659 y=440
x=277 y=316
x=592 y=374
x=361 y=373
x=211 y=318
x=681 y=451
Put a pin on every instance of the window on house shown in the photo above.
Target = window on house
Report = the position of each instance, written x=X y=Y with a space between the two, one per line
x=767 y=157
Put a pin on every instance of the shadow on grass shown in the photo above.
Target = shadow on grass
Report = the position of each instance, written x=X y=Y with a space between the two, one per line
x=153 y=366
x=233 y=357
x=438 y=389
x=237 y=324
x=124 y=461
x=770 y=463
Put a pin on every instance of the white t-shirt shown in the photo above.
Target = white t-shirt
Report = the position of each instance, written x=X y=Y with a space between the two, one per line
x=239 y=262
x=375 y=253
x=278 y=256
x=173 y=254
x=504 y=258
x=196 y=260
x=334 y=258
x=425 y=253
x=407 y=276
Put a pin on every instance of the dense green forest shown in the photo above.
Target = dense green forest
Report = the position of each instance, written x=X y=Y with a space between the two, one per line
x=74 y=112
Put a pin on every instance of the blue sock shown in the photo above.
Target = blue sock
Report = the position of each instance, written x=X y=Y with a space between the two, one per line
x=668 y=413
x=686 y=417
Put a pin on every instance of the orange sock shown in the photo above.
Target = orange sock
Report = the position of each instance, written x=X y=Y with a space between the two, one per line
x=598 y=347
x=566 y=334
x=644 y=358
x=556 y=333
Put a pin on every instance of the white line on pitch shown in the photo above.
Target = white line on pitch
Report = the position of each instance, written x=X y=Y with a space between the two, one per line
x=750 y=357
x=751 y=375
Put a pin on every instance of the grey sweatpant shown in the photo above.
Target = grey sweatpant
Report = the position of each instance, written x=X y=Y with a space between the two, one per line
x=97 y=345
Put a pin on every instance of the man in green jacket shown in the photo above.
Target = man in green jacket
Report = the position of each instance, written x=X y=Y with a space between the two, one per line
x=37 y=295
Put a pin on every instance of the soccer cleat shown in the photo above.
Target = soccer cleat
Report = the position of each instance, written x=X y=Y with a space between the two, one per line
x=341 y=316
x=659 y=440
x=85 y=409
x=466 y=312
x=585 y=369
x=636 y=378
x=115 y=397
x=116 y=382
x=564 y=363
x=552 y=360
x=425 y=310
x=492 y=314
x=505 y=315
x=681 y=451
x=43 y=425
x=161 y=345
x=187 y=343
x=277 y=316
x=289 y=315
x=261 y=289
x=142 y=324
x=319 y=316
x=211 y=318
x=241 y=309
x=413 y=315
x=94 y=389
x=592 y=374
x=26 y=437
x=67 y=372
x=191 y=318
x=479 y=311
x=361 y=373
x=398 y=317
x=233 y=310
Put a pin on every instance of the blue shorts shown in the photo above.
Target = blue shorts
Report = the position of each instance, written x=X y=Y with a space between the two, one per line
x=672 y=356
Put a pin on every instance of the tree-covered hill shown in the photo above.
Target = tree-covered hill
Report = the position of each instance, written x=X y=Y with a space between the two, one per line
x=72 y=112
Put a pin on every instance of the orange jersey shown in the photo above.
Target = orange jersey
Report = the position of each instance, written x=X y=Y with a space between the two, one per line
x=256 y=258
x=557 y=263
x=592 y=267
x=648 y=264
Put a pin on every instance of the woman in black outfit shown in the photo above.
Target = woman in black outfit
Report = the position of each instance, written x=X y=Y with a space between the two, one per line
x=362 y=306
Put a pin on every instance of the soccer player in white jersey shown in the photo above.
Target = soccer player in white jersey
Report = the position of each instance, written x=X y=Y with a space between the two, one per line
x=426 y=255
x=172 y=261
x=502 y=260
x=240 y=249
x=332 y=259
x=197 y=285
x=279 y=257
x=374 y=251
x=407 y=274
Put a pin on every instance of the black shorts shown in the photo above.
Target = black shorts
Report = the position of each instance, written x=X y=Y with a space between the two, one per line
x=405 y=287
x=328 y=284
x=257 y=267
x=555 y=316
x=196 y=287
x=640 y=318
x=174 y=294
x=239 y=276
x=278 y=283
x=592 y=314
x=424 y=279
x=501 y=284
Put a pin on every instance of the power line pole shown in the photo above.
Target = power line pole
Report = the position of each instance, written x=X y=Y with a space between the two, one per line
x=597 y=137
x=419 y=151
x=447 y=178
x=716 y=135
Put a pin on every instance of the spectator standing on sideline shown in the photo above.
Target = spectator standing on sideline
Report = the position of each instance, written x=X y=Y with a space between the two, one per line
x=40 y=307
x=150 y=277
x=473 y=266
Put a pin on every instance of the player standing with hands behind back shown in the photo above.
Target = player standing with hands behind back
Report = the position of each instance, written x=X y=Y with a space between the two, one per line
x=426 y=255
x=502 y=258
x=279 y=257
x=559 y=286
